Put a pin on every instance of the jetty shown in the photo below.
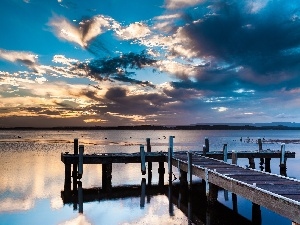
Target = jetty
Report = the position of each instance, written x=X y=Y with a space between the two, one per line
x=275 y=192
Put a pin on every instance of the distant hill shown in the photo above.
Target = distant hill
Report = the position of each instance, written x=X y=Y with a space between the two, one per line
x=202 y=126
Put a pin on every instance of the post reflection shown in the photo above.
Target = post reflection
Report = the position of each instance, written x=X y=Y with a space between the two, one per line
x=191 y=202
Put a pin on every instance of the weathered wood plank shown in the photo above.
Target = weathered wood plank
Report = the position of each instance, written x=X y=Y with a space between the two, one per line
x=240 y=182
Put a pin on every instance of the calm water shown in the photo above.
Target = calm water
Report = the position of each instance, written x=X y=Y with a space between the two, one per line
x=32 y=175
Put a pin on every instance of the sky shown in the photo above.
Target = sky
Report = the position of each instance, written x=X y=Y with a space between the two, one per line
x=157 y=62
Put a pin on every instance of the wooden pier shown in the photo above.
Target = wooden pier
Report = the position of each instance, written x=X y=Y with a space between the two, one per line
x=277 y=193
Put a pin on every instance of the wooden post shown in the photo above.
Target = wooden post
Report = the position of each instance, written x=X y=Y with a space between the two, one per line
x=234 y=157
x=259 y=145
x=80 y=161
x=234 y=203
x=170 y=155
x=256 y=214
x=251 y=162
x=143 y=159
x=225 y=152
x=283 y=161
x=67 y=185
x=282 y=158
x=161 y=172
x=211 y=190
x=268 y=165
x=204 y=150
x=80 y=197
x=190 y=168
x=106 y=176
x=171 y=207
x=149 y=163
x=260 y=149
x=76 y=146
x=143 y=193
x=207 y=144
x=213 y=194
x=183 y=178
x=75 y=165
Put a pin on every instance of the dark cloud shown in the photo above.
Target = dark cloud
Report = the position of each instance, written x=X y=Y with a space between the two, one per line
x=117 y=68
x=119 y=101
x=132 y=81
x=252 y=49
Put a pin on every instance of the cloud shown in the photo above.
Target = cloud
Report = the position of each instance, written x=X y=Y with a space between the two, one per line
x=63 y=60
x=242 y=45
x=84 y=33
x=177 y=4
x=79 y=220
x=116 y=69
x=133 y=31
x=26 y=58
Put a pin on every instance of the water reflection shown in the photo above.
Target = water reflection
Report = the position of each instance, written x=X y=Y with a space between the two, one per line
x=192 y=202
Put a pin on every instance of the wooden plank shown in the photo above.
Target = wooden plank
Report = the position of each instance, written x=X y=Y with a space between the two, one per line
x=275 y=203
x=293 y=196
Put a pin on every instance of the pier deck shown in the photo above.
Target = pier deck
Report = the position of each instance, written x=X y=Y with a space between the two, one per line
x=277 y=193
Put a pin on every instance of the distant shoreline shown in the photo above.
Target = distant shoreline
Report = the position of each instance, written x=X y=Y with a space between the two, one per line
x=155 y=127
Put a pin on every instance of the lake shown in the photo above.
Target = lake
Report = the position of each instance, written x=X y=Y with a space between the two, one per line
x=32 y=176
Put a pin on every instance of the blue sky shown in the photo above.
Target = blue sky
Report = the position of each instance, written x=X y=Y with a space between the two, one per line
x=172 y=62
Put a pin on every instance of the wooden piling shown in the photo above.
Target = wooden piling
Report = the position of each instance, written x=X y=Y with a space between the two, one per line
x=80 y=197
x=282 y=158
x=204 y=150
x=234 y=157
x=76 y=146
x=143 y=193
x=170 y=155
x=282 y=164
x=161 y=172
x=75 y=165
x=67 y=185
x=212 y=194
x=183 y=178
x=143 y=159
x=190 y=174
x=171 y=206
x=260 y=149
x=251 y=162
x=225 y=152
x=80 y=161
x=107 y=176
x=256 y=214
x=259 y=145
x=268 y=165
x=149 y=163
x=234 y=203
x=207 y=144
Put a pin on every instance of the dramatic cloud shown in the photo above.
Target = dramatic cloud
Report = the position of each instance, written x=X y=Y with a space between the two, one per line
x=117 y=68
x=243 y=45
x=84 y=32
